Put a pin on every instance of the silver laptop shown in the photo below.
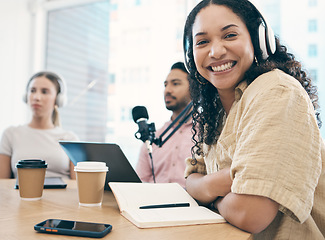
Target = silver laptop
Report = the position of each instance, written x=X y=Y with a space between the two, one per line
x=119 y=168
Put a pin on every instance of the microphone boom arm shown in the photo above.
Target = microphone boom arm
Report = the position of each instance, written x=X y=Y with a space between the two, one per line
x=158 y=141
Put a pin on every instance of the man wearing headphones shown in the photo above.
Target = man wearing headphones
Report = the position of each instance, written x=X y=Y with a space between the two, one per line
x=168 y=161
x=45 y=92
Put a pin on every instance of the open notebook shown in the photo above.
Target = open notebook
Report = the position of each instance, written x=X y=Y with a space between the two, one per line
x=119 y=168
x=147 y=205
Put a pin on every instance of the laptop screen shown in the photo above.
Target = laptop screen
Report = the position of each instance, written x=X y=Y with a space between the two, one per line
x=119 y=168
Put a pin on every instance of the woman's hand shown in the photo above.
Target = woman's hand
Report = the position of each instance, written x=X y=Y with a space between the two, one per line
x=72 y=172
x=5 y=166
x=206 y=188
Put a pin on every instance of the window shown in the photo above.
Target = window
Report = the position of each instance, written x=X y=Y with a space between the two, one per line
x=125 y=114
x=312 y=25
x=314 y=75
x=312 y=50
x=312 y=3
x=77 y=49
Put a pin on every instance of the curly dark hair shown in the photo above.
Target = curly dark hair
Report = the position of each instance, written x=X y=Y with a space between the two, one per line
x=208 y=111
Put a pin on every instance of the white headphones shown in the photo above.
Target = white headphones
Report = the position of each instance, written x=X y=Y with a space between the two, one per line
x=266 y=39
x=61 y=98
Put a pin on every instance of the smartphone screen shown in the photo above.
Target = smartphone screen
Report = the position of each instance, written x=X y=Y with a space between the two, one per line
x=76 y=228
x=49 y=182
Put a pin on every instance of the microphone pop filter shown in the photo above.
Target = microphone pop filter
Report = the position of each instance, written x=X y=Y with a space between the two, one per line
x=139 y=112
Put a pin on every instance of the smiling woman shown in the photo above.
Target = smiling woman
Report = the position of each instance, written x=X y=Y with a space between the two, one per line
x=222 y=50
x=257 y=114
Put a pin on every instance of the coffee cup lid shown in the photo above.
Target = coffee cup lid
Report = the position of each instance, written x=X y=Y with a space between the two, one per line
x=90 y=166
x=31 y=163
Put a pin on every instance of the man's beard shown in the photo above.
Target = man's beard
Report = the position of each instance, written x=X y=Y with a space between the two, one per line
x=177 y=106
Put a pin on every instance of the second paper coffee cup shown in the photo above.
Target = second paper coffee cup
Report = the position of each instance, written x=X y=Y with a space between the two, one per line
x=91 y=178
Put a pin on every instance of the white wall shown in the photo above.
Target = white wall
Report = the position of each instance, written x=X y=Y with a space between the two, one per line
x=15 y=60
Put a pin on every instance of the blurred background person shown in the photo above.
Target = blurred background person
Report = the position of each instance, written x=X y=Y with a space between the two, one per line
x=39 y=139
x=169 y=160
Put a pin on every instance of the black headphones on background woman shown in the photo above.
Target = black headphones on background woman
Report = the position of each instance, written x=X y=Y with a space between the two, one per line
x=61 y=98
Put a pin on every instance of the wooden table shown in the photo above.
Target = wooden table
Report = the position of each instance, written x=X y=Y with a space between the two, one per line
x=18 y=217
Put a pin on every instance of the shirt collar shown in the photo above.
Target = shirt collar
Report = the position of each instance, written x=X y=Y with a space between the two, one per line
x=188 y=122
x=240 y=89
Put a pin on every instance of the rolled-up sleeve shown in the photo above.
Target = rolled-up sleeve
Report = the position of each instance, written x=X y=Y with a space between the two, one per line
x=277 y=148
x=194 y=166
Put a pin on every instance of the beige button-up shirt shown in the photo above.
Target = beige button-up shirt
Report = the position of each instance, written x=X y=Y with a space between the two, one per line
x=272 y=144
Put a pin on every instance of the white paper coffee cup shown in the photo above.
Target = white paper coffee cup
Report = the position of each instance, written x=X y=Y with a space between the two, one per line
x=91 y=178
x=90 y=166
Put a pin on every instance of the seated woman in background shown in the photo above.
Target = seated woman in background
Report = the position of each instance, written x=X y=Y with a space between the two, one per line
x=39 y=138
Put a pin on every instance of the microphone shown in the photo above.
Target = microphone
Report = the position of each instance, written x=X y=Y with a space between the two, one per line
x=140 y=116
x=146 y=131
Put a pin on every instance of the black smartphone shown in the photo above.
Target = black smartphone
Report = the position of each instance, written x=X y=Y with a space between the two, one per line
x=73 y=228
x=50 y=182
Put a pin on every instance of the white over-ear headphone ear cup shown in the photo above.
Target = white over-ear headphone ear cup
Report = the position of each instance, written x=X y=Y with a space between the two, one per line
x=25 y=97
x=60 y=100
x=262 y=41
x=271 y=40
x=186 y=47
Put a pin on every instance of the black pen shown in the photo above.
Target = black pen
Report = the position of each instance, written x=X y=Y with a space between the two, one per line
x=169 y=205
